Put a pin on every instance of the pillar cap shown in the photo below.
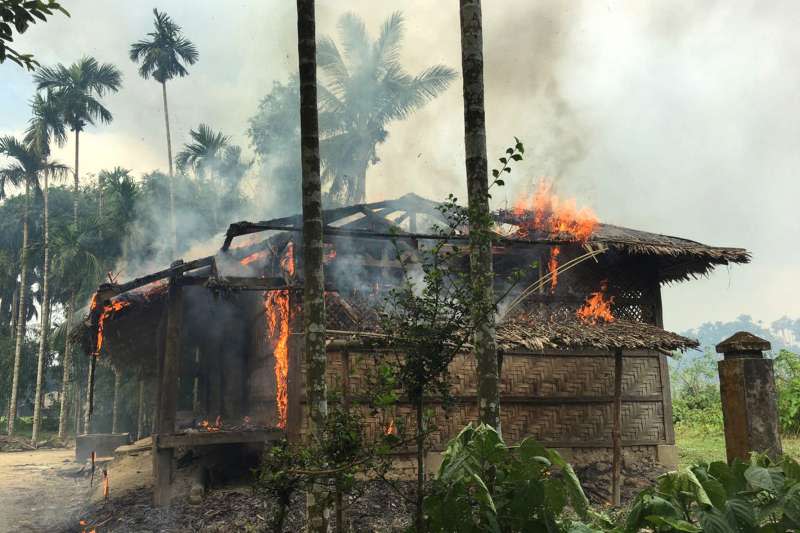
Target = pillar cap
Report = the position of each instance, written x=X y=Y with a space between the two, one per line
x=743 y=341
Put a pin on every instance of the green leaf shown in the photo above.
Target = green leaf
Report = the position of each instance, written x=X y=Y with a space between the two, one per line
x=713 y=521
x=740 y=512
x=500 y=182
x=509 y=150
x=495 y=172
x=675 y=523
x=516 y=157
x=759 y=478
x=504 y=160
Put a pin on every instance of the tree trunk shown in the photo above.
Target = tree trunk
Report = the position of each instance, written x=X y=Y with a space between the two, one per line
x=314 y=283
x=88 y=404
x=62 y=415
x=23 y=281
x=419 y=517
x=76 y=191
x=45 y=315
x=173 y=235
x=481 y=274
x=115 y=405
x=77 y=408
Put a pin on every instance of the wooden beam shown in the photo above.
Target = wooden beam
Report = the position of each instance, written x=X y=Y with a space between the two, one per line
x=168 y=395
x=616 y=433
x=211 y=438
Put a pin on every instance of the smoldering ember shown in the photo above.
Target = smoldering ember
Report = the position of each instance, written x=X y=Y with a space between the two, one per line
x=326 y=315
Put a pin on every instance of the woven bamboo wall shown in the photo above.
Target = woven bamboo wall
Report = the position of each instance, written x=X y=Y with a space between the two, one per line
x=562 y=399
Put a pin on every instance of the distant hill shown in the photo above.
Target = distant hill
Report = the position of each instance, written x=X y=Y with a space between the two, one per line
x=783 y=333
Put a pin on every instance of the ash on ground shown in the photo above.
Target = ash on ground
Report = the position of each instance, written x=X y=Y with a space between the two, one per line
x=379 y=509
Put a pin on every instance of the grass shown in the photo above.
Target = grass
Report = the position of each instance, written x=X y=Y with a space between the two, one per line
x=708 y=444
x=24 y=427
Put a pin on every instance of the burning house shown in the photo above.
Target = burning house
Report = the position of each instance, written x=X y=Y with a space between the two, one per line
x=583 y=351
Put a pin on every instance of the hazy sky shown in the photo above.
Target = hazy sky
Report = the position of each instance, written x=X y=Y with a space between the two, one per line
x=662 y=116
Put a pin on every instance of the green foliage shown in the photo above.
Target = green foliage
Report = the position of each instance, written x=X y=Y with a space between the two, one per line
x=18 y=15
x=761 y=496
x=482 y=485
x=77 y=90
x=334 y=460
x=163 y=55
x=787 y=381
x=696 y=398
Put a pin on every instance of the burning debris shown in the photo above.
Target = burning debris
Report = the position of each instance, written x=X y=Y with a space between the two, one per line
x=597 y=307
x=276 y=310
x=544 y=214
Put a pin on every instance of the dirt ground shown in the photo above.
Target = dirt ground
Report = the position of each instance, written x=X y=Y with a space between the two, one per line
x=40 y=490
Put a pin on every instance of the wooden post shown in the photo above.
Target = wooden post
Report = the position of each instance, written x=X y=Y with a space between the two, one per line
x=168 y=395
x=616 y=433
x=77 y=408
x=196 y=383
x=140 y=409
x=294 y=378
x=115 y=405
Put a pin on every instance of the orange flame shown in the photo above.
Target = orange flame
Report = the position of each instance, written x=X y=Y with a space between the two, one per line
x=105 y=484
x=597 y=306
x=254 y=257
x=544 y=212
x=330 y=253
x=276 y=309
x=391 y=429
x=287 y=261
x=108 y=310
x=208 y=427
x=552 y=267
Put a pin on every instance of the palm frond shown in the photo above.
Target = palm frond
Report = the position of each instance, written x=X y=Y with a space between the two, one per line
x=355 y=39
x=387 y=47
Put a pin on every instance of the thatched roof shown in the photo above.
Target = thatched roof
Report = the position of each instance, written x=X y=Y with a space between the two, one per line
x=565 y=331
x=678 y=259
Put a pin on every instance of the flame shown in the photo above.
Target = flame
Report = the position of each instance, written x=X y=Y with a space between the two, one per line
x=276 y=309
x=597 y=306
x=552 y=267
x=108 y=310
x=330 y=253
x=256 y=256
x=287 y=261
x=391 y=429
x=544 y=212
x=105 y=484
x=209 y=427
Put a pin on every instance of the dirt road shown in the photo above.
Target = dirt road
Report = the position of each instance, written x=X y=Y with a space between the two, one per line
x=35 y=495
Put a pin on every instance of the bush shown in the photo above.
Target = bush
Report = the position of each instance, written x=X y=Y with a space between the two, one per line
x=483 y=485
x=760 y=496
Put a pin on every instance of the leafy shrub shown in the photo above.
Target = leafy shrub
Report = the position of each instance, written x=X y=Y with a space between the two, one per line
x=482 y=485
x=787 y=381
x=759 y=497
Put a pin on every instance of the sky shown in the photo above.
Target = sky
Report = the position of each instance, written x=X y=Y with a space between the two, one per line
x=675 y=117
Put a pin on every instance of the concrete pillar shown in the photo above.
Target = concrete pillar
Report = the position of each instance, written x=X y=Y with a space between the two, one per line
x=749 y=399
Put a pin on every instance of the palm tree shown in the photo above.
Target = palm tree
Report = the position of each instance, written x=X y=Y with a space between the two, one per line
x=77 y=90
x=481 y=276
x=366 y=89
x=45 y=125
x=25 y=168
x=75 y=265
x=205 y=154
x=213 y=159
x=163 y=56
